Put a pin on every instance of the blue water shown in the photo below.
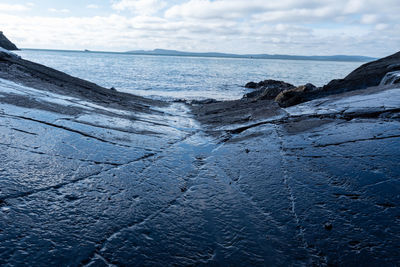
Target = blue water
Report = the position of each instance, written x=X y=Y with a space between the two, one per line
x=171 y=77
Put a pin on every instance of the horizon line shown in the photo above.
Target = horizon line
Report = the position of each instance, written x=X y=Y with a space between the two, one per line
x=215 y=54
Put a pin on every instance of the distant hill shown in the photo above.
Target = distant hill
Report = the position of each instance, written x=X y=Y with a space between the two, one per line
x=164 y=52
x=5 y=43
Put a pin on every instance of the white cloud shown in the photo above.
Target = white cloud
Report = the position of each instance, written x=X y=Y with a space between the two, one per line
x=240 y=26
x=296 y=11
x=141 y=7
x=235 y=8
x=54 y=10
x=221 y=9
x=381 y=26
x=92 y=6
x=9 y=7
x=369 y=19
x=353 y=6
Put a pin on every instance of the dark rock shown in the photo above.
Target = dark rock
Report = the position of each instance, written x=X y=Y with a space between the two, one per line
x=251 y=85
x=5 y=43
x=296 y=95
x=267 y=83
x=309 y=87
x=113 y=89
x=141 y=192
x=40 y=77
x=267 y=89
x=369 y=74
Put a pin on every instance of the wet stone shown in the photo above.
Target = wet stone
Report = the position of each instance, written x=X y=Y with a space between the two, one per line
x=169 y=185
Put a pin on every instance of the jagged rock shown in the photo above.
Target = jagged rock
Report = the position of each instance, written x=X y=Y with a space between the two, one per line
x=5 y=43
x=267 y=89
x=295 y=96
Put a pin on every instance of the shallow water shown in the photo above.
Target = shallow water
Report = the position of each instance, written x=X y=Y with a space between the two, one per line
x=171 y=77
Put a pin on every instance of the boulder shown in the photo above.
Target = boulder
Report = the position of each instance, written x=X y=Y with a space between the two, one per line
x=296 y=95
x=267 y=89
x=5 y=43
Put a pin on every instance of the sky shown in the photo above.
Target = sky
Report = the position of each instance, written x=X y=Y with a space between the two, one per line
x=294 y=27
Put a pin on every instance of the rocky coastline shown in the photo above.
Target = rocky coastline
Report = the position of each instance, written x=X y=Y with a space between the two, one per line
x=368 y=75
x=284 y=176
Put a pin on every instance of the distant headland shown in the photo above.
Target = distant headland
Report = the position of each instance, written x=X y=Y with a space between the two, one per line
x=164 y=52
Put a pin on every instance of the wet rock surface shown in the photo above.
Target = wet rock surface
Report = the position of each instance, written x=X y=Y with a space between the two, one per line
x=392 y=77
x=91 y=182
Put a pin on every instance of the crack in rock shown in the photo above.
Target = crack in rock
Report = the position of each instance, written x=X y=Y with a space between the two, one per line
x=67 y=129
x=285 y=179
x=357 y=140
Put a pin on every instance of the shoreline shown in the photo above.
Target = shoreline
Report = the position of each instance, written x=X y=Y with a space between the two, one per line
x=91 y=176
x=254 y=106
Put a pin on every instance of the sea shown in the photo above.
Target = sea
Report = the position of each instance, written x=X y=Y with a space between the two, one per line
x=181 y=77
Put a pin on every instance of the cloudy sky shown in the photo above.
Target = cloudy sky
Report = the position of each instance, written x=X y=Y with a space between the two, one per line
x=303 y=27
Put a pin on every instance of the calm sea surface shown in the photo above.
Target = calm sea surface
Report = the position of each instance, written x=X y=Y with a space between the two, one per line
x=171 y=77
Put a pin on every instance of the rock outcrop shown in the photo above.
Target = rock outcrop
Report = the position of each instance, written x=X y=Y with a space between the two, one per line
x=5 y=43
x=368 y=75
x=267 y=90
x=43 y=78
x=296 y=95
